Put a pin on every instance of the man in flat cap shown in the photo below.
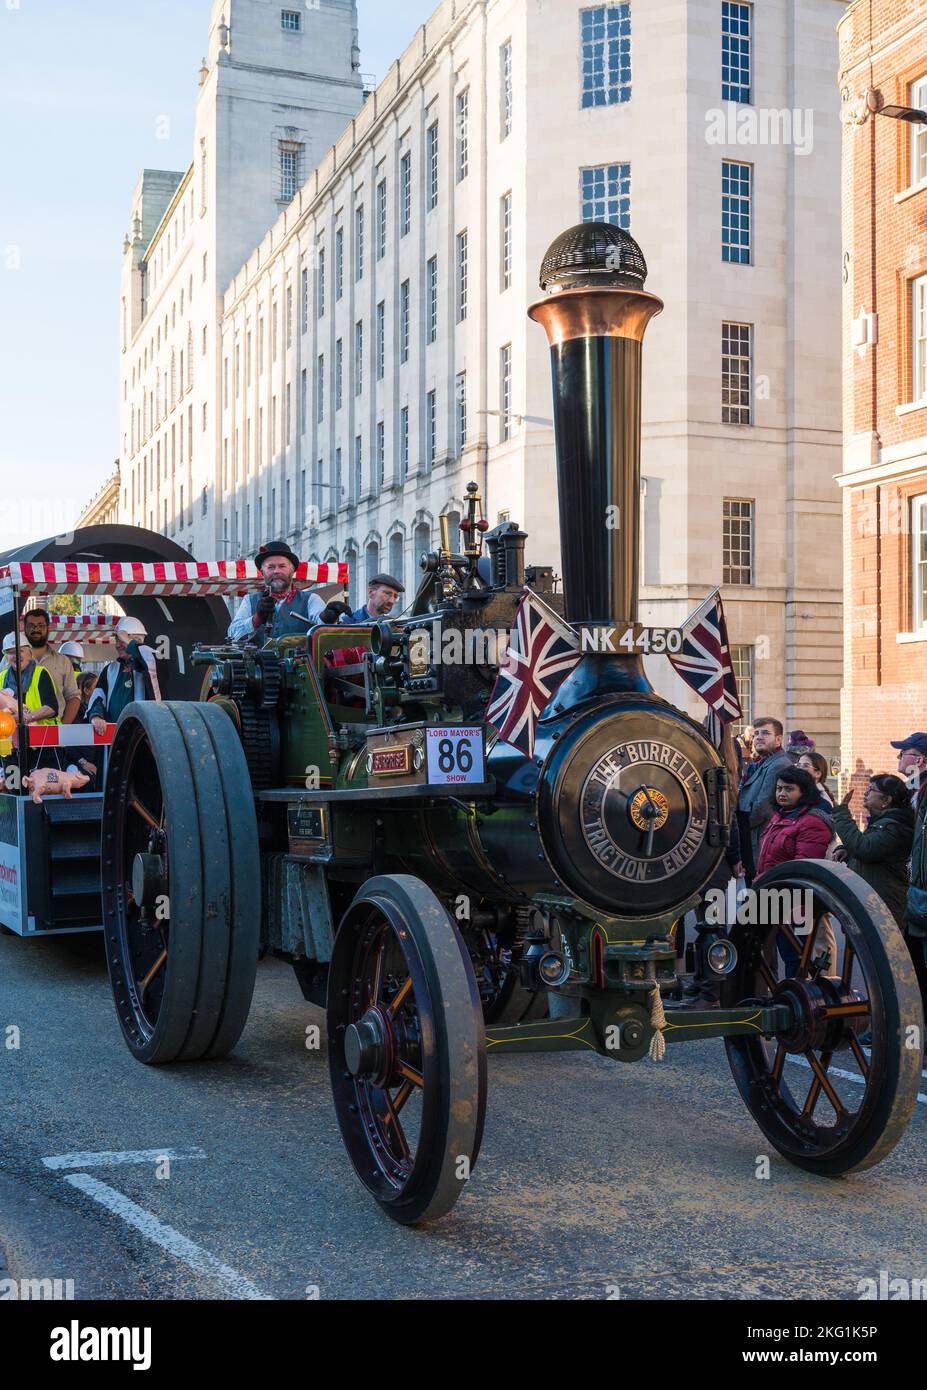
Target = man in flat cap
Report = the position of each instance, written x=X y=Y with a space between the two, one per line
x=279 y=609
x=382 y=594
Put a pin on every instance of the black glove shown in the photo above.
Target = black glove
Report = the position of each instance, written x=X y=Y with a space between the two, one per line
x=266 y=607
x=334 y=612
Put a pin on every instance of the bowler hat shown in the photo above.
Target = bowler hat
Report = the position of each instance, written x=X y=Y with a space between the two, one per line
x=275 y=548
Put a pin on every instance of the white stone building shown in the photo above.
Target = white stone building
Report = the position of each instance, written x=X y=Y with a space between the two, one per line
x=360 y=350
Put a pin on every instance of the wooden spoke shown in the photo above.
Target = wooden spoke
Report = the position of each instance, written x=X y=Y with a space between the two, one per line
x=769 y=978
x=398 y=1134
x=778 y=1064
x=410 y=1074
x=143 y=811
x=143 y=984
x=792 y=939
x=402 y=1095
x=377 y=980
x=805 y=959
x=400 y=996
x=859 y=1009
x=821 y=1074
x=861 y=1058
x=848 y=958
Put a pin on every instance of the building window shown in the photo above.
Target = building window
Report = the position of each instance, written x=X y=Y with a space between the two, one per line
x=737 y=541
x=381 y=219
x=505 y=241
x=320 y=388
x=359 y=242
x=736 y=374
x=291 y=159
x=919 y=561
x=274 y=335
x=381 y=340
x=320 y=275
x=405 y=194
x=358 y=358
x=431 y=417
x=339 y=371
x=395 y=555
x=736 y=181
x=304 y=301
x=505 y=90
x=404 y=321
x=403 y=446
x=372 y=560
x=919 y=353
x=606 y=48
x=462 y=135
x=432 y=165
x=461 y=276
x=291 y=21
x=460 y=393
x=505 y=392
x=288 y=413
x=356 y=474
x=336 y=481
x=606 y=194
x=339 y=263
x=735 y=52
x=918 y=99
x=432 y=299
x=289 y=316
x=381 y=453
x=742 y=659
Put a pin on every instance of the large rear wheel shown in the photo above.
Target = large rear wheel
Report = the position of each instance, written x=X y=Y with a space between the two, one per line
x=406 y=1048
x=833 y=1091
x=181 y=881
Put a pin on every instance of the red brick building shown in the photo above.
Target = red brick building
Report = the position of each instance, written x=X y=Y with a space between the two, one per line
x=883 y=61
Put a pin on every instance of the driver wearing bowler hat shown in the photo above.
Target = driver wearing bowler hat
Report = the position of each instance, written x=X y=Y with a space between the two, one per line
x=279 y=609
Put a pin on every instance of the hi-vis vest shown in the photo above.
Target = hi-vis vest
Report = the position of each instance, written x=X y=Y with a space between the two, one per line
x=32 y=699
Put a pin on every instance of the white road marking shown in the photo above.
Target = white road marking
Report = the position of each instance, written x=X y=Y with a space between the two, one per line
x=110 y=1157
x=847 y=1075
x=198 y=1259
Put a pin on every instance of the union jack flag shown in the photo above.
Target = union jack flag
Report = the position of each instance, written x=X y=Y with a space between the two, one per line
x=705 y=660
x=542 y=651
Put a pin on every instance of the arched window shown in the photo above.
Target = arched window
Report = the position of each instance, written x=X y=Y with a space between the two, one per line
x=422 y=543
x=396 y=558
x=372 y=560
x=351 y=559
x=453 y=526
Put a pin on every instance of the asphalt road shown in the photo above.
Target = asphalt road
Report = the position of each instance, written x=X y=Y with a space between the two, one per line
x=595 y=1180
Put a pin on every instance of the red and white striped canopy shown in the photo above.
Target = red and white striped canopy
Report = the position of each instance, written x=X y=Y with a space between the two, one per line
x=93 y=629
x=161 y=579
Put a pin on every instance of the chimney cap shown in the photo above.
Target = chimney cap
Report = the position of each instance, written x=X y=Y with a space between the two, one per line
x=593 y=253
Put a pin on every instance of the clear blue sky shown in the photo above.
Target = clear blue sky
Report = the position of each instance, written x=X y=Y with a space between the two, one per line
x=82 y=87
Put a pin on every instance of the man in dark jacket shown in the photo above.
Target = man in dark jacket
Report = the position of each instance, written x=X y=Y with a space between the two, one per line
x=916 y=910
x=754 y=801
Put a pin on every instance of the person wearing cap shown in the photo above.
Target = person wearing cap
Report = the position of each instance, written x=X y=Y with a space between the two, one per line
x=279 y=609
x=35 y=626
x=912 y=765
x=798 y=744
x=74 y=651
x=132 y=676
x=382 y=596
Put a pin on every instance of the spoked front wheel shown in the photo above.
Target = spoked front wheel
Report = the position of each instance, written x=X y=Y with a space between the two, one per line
x=406 y=1048
x=834 y=1090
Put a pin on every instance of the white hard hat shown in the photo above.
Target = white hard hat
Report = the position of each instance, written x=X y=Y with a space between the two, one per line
x=72 y=649
x=131 y=627
x=9 y=641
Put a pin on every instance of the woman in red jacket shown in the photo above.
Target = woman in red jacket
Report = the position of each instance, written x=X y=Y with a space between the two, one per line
x=799 y=828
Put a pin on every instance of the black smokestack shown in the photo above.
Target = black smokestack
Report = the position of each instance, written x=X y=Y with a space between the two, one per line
x=595 y=315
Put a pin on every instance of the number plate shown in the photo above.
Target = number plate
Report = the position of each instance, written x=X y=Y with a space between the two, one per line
x=631 y=638
x=455 y=755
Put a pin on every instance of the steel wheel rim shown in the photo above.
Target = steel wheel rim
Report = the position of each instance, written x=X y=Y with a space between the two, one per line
x=141 y=952
x=391 y=1116
x=817 y=1084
